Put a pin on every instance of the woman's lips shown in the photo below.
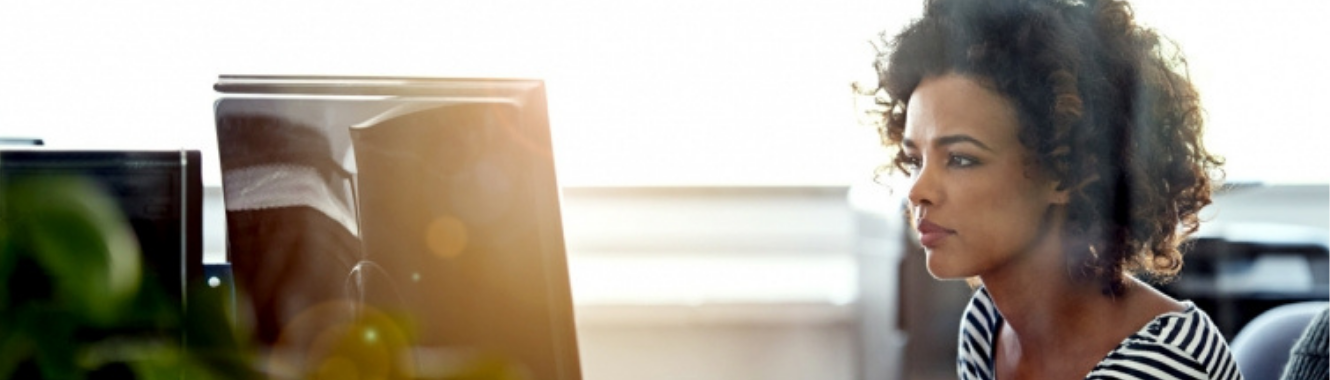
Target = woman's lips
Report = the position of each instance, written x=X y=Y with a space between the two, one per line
x=930 y=234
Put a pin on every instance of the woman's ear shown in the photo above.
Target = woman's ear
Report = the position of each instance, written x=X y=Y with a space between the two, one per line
x=1058 y=194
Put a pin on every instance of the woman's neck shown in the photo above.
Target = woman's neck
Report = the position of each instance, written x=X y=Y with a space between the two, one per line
x=1056 y=328
x=1056 y=324
x=1042 y=303
x=1045 y=310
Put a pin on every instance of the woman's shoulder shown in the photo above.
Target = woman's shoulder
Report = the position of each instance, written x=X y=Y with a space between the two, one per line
x=1191 y=331
x=1177 y=344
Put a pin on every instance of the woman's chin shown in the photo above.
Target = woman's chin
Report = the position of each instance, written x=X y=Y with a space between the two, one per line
x=942 y=270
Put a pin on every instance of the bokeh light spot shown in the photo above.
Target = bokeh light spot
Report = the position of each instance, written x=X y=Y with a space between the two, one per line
x=343 y=339
x=371 y=336
x=446 y=237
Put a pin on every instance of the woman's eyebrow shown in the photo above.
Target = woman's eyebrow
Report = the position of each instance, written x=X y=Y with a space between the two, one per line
x=957 y=139
x=949 y=140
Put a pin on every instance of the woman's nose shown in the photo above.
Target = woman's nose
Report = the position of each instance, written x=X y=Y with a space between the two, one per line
x=924 y=189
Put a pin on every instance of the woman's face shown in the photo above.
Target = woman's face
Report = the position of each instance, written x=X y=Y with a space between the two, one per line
x=977 y=201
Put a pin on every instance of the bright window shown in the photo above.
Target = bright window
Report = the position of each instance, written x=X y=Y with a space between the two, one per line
x=641 y=93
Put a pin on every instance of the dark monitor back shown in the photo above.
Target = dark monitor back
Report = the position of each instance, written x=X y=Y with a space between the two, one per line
x=430 y=202
x=159 y=193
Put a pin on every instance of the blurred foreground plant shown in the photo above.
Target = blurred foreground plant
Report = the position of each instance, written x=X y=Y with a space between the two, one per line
x=73 y=303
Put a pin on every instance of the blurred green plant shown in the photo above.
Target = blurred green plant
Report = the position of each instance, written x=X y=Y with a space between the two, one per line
x=73 y=302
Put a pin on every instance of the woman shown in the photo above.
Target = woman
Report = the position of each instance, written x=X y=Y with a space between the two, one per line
x=1054 y=156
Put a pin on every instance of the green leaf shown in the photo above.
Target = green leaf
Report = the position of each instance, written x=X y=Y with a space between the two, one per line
x=79 y=237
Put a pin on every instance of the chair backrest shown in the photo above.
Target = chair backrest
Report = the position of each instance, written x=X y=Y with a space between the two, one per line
x=1262 y=347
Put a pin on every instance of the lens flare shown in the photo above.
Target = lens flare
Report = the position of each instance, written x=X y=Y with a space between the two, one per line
x=446 y=237
x=343 y=340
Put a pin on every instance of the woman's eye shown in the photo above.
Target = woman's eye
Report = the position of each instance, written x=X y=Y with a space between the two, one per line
x=960 y=161
x=912 y=163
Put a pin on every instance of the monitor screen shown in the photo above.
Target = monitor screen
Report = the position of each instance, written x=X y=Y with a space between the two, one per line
x=403 y=226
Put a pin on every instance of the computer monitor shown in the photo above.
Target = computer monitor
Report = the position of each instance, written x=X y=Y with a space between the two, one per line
x=428 y=207
x=159 y=193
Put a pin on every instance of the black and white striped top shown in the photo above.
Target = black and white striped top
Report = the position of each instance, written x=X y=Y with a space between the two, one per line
x=1175 y=345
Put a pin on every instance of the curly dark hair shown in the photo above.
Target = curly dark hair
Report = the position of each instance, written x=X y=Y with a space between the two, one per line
x=1105 y=107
